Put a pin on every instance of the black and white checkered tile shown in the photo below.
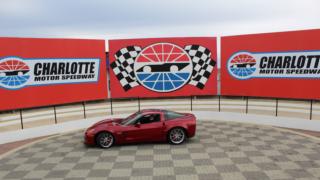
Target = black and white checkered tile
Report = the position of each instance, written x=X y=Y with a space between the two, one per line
x=220 y=150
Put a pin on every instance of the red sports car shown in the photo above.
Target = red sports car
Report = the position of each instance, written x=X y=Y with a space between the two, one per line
x=144 y=126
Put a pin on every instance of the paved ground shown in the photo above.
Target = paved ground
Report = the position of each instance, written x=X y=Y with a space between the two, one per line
x=7 y=147
x=220 y=150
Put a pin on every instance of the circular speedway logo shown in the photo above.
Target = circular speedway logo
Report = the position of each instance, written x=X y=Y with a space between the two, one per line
x=242 y=65
x=163 y=67
x=13 y=73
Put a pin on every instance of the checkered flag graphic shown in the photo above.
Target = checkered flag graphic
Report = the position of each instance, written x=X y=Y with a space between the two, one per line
x=123 y=66
x=202 y=64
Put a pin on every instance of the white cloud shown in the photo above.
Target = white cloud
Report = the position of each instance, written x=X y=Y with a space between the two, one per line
x=19 y=8
x=111 y=19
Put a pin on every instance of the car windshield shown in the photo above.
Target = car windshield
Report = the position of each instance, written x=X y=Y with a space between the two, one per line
x=131 y=119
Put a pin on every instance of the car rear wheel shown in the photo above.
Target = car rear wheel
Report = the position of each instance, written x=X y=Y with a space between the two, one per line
x=105 y=140
x=177 y=136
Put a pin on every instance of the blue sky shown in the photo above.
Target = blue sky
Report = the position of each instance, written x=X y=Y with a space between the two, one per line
x=112 y=19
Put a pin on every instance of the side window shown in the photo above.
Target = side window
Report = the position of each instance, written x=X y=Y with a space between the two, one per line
x=172 y=115
x=149 y=118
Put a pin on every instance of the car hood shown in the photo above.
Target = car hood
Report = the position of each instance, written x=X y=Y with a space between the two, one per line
x=108 y=122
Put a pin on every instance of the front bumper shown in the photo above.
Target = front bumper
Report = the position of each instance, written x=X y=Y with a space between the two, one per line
x=191 y=130
x=89 y=139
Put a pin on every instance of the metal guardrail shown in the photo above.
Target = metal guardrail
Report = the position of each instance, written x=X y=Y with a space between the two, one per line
x=113 y=103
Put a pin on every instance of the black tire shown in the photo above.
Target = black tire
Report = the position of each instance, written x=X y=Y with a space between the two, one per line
x=177 y=136
x=105 y=140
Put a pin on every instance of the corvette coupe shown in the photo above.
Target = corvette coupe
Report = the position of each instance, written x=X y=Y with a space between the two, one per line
x=150 y=125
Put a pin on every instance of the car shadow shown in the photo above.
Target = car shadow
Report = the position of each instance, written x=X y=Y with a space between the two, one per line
x=147 y=144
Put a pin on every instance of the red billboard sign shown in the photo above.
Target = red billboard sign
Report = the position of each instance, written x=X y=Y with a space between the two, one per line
x=161 y=67
x=284 y=65
x=42 y=72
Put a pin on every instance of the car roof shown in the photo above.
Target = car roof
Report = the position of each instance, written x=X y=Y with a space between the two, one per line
x=152 y=110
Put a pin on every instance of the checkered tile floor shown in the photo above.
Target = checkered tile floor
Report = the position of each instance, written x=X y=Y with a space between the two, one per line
x=220 y=150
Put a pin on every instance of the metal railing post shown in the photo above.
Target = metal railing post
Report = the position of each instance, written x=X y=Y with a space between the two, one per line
x=191 y=103
x=139 y=103
x=21 y=120
x=84 y=109
x=247 y=101
x=219 y=104
x=277 y=107
x=311 y=102
x=111 y=108
x=55 y=114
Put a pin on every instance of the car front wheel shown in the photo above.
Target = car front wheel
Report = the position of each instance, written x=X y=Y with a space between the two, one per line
x=105 y=140
x=177 y=136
